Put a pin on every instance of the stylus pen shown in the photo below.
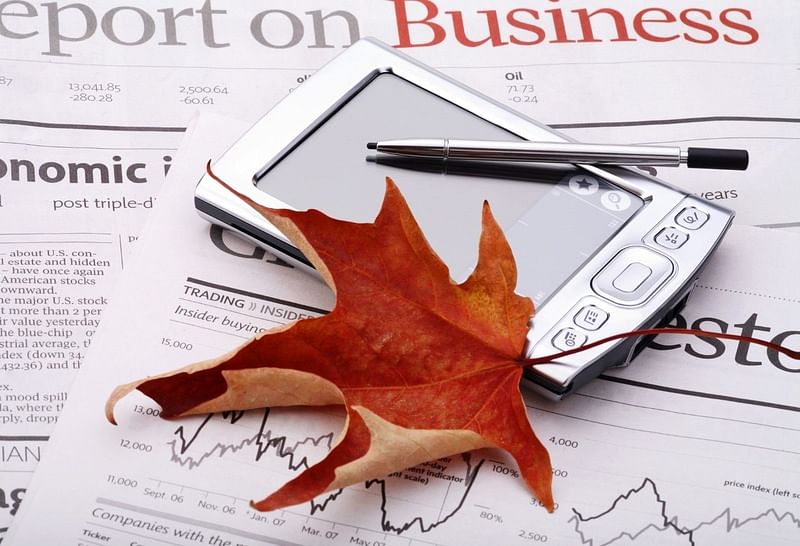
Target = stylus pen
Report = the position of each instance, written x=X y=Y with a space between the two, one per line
x=563 y=152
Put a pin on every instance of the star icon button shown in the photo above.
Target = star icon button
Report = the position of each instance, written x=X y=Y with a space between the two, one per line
x=583 y=184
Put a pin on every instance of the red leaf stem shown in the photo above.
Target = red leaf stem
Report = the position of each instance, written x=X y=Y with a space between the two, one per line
x=653 y=331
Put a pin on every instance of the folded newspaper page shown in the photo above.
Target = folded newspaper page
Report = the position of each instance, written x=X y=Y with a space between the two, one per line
x=96 y=97
x=696 y=442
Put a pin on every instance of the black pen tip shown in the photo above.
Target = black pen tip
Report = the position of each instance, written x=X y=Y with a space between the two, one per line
x=372 y=145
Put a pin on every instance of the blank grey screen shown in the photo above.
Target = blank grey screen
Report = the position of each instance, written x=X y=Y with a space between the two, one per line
x=555 y=217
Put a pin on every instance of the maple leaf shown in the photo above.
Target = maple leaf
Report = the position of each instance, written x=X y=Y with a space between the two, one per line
x=425 y=367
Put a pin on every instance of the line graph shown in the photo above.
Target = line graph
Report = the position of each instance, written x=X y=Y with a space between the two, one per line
x=641 y=512
x=263 y=440
x=190 y=448
x=470 y=475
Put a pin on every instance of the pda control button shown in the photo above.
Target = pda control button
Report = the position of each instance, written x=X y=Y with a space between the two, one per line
x=671 y=238
x=633 y=275
x=590 y=318
x=568 y=338
x=691 y=218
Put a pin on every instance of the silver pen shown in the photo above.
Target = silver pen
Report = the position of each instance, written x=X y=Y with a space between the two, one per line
x=563 y=152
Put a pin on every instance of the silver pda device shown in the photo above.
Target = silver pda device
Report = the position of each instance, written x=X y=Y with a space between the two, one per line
x=600 y=250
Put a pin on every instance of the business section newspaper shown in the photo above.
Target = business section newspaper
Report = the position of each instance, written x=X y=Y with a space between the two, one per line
x=87 y=141
x=694 y=443
x=692 y=73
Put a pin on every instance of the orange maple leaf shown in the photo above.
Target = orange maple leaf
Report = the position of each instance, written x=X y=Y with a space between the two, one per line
x=425 y=367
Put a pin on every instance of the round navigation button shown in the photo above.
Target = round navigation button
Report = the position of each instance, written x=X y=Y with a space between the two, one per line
x=633 y=275
x=615 y=200
x=583 y=184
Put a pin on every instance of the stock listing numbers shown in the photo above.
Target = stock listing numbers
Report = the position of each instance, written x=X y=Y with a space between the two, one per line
x=196 y=95
x=518 y=91
x=88 y=91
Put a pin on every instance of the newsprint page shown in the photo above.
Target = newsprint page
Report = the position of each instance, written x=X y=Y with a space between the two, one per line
x=95 y=98
x=694 y=443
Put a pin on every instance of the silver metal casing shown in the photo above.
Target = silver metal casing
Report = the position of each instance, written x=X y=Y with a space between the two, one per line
x=606 y=284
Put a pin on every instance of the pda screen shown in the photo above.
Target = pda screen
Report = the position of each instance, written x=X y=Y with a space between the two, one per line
x=555 y=217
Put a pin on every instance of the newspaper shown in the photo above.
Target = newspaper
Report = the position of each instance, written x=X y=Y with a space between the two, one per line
x=82 y=84
x=706 y=73
x=695 y=442
x=62 y=245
